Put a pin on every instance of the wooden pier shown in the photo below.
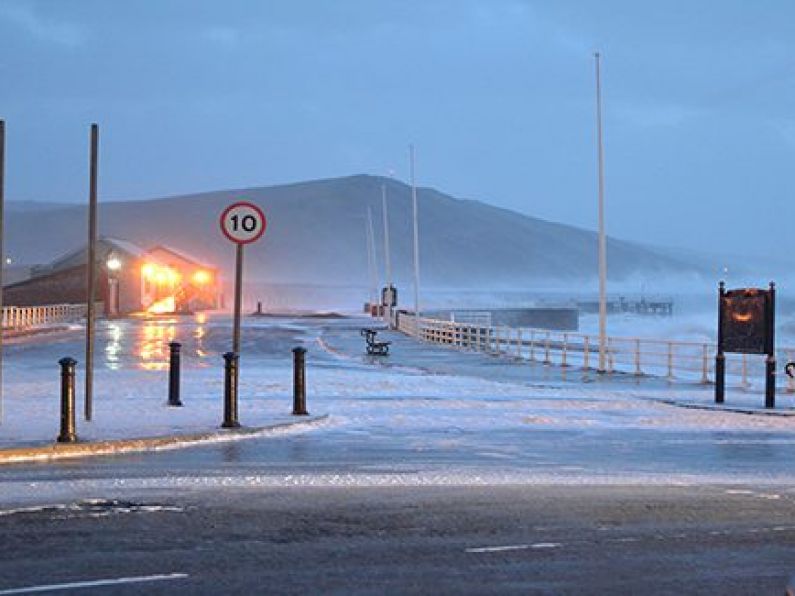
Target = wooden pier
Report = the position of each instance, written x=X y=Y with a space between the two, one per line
x=642 y=306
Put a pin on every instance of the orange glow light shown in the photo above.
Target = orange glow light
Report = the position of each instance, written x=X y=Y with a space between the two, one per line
x=160 y=275
x=166 y=305
x=201 y=277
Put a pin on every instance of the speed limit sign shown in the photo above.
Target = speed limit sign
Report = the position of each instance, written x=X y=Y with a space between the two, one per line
x=243 y=222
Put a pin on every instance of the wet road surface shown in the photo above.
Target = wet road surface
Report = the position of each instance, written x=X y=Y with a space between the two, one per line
x=438 y=470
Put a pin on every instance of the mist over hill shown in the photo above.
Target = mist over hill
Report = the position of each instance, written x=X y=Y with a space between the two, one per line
x=316 y=235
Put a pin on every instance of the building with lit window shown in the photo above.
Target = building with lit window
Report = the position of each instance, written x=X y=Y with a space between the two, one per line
x=129 y=279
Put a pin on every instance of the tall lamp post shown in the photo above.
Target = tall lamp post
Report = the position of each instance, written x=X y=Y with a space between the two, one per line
x=602 y=238
x=416 y=238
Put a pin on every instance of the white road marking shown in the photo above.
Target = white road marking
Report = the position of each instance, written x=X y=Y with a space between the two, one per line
x=95 y=583
x=497 y=549
x=510 y=547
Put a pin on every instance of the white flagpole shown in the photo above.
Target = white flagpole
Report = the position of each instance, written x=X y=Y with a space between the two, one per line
x=371 y=257
x=416 y=237
x=602 y=238
x=387 y=260
x=2 y=251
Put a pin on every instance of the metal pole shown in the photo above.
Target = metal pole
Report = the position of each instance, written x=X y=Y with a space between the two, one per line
x=173 y=374
x=585 y=352
x=233 y=367
x=602 y=239
x=230 y=390
x=416 y=235
x=2 y=250
x=770 y=361
x=92 y=273
x=238 y=299
x=670 y=360
x=387 y=259
x=299 y=382
x=720 y=358
x=638 y=372
x=371 y=258
x=67 y=434
x=547 y=359
x=387 y=304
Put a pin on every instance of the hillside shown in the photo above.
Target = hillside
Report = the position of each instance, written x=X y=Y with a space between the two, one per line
x=316 y=235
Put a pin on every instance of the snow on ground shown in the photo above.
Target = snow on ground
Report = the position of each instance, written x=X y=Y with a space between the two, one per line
x=417 y=386
x=424 y=415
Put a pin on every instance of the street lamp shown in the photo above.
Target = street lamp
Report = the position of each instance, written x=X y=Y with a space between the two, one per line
x=113 y=263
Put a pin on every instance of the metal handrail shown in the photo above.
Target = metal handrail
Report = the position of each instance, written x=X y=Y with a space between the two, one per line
x=24 y=317
x=635 y=355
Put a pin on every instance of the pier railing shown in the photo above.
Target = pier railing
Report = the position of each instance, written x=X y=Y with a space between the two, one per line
x=24 y=317
x=681 y=360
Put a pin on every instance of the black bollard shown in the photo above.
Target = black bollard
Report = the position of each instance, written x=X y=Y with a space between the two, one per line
x=67 y=434
x=259 y=308
x=173 y=373
x=299 y=382
x=720 y=377
x=230 y=390
x=770 y=382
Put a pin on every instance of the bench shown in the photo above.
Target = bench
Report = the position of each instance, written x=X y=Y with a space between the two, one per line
x=375 y=348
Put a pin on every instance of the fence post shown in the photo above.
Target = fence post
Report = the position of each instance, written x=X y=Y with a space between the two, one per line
x=230 y=391
x=173 y=374
x=705 y=365
x=638 y=372
x=299 y=382
x=546 y=349
x=745 y=371
x=670 y=360
x=519 y=343
x=610 y=357
x=563 y=361
x=585 y=352
x=67 y=434
x=532 y=345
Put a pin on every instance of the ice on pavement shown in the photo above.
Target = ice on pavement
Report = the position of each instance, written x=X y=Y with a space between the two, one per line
x=415 y=386
x=424 y=415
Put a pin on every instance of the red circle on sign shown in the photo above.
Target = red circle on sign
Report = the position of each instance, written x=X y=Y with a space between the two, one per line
x=248 y=205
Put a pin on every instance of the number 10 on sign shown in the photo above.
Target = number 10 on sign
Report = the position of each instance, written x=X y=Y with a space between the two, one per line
x=243 y=222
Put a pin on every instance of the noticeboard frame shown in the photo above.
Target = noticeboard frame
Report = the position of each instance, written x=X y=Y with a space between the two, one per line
x=746 y=325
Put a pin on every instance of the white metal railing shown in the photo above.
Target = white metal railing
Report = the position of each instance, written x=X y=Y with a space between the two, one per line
x=24 y=317
x=684 y=360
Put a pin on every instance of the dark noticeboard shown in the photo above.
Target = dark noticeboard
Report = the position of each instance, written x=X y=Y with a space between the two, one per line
x=747 y=325
x=746 y=321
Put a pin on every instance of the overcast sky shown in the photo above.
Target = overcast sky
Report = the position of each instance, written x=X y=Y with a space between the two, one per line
x=497 y=96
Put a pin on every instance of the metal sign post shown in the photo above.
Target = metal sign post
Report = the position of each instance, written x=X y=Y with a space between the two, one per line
x=242 y=223
x=2 y=250
x=91 y=281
